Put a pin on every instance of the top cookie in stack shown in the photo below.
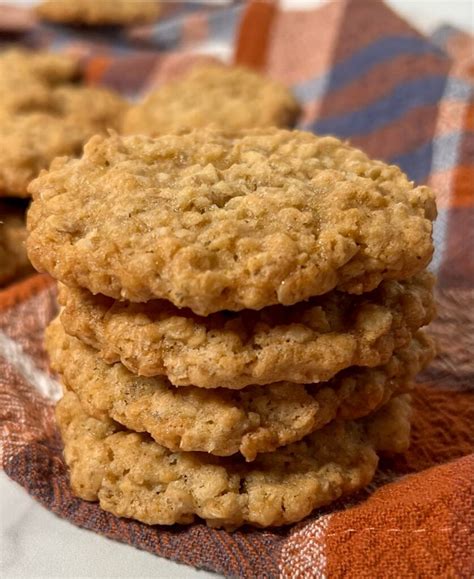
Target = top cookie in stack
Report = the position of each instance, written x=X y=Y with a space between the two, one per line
x=211 y=222
x=256 y=296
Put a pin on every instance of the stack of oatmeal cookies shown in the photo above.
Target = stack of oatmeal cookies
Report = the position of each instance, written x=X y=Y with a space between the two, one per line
x=241 y=320
x=44 y=112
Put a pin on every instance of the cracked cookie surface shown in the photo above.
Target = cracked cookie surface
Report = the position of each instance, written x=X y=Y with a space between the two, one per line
x=226 y=98
x=215 y=222
x=254 y=420
x=134 y=477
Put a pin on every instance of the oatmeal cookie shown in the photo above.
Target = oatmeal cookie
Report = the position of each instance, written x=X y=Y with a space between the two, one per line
x=308 y=342
x=14 y=262
x=215 y=222
x=99 y=12
x=222 y=422
x=98 y=108
x=52 y=69
x=134 y=477
x=226 y=98
x=61 y=126
x=27 y=78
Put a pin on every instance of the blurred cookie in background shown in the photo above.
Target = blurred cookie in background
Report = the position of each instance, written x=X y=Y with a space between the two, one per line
x=45 y=112
x=14 y=262
x=99 y=13
x=30 y=141
x=27 y=78
x=227 y=98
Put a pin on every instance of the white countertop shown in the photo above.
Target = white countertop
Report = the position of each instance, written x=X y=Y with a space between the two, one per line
x=35 y=543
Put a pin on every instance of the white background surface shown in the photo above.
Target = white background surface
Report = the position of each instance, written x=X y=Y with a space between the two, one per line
x=33 y=542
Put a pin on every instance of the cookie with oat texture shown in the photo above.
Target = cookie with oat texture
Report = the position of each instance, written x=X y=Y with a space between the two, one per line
x=254 y=420
x=132 y=476
x=211 y=221
x=308 y=342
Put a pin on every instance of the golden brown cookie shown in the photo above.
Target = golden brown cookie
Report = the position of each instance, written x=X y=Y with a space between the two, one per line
x=52 y=69
x=30 y=141
x=27 y=78
x=226 y=98
x=215 y=222
x=99 y=12
x=134 y=477
x=14 y=262
x=254 y=420
x=308 y=342
x=98 y=108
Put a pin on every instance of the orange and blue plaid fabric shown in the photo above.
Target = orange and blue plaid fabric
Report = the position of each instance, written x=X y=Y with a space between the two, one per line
x=364 y=74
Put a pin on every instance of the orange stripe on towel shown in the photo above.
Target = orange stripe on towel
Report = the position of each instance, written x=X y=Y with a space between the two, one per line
x=95 y=69
x=22 y=290
x=254 y=34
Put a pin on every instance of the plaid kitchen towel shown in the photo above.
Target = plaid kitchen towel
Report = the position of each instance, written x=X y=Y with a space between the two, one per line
x=131 y=60
x=364 y=74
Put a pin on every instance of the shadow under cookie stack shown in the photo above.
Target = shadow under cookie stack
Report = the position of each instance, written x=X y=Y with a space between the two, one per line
x=240 y=322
